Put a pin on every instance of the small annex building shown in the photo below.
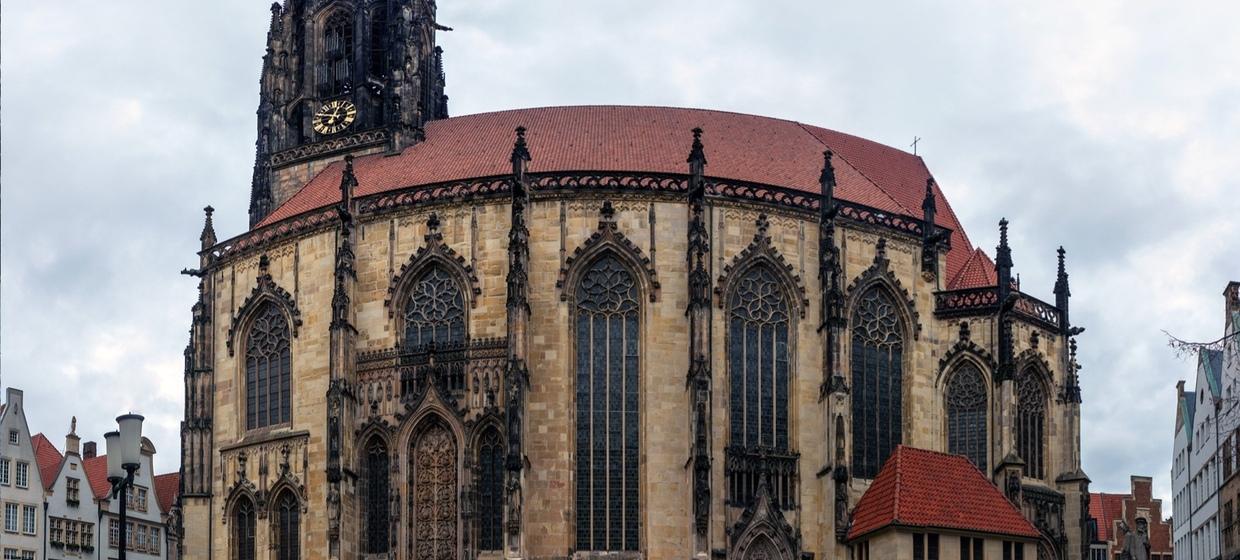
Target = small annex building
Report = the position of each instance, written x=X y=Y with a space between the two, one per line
x=926 y=504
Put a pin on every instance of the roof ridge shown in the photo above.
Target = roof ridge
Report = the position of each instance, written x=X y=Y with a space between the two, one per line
x=895 y=492
x=837 y=154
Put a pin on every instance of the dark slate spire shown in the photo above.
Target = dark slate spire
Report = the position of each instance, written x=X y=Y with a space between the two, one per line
x=697 y=156
x=1003 y=259
x=348 y=183
x=208 y=230
x=520 y=156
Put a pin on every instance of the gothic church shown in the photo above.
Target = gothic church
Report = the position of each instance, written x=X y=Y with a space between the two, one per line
x=631 y=332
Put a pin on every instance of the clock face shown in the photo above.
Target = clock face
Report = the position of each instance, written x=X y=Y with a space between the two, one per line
x=334 y=116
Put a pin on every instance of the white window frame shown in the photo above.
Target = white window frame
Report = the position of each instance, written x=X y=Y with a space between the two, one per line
x=30 y=520
x=4 y=471
x=10 y=517
x=21 y=477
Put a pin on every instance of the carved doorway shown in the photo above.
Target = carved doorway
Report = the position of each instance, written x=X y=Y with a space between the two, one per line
x=762 y=548
x=434 y=491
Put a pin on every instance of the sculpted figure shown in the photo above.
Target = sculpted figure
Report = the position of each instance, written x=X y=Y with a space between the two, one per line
x=1136 y=543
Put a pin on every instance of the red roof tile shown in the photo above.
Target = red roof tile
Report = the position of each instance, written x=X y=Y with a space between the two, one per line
x=97 y=473
x=48 y=458
x=646 y=139
x=921 y=488
x=977 y=272
x=166 y=488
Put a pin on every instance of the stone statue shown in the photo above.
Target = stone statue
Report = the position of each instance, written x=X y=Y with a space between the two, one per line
x=1136 y=543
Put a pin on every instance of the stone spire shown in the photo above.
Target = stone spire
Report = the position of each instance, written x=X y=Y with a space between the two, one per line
x=208 y=230
x=929 y=234
x=1006 y=299
x=1062 y=293
x=699 y=312
x=516 y=374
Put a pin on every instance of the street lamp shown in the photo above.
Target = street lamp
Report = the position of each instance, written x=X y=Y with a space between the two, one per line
x=124 y=455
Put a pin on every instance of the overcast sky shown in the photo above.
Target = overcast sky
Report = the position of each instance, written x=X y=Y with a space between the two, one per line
x=1111 y=127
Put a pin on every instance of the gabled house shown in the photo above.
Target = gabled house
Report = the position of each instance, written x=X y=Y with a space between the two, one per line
x=72 y=513
x=21 y=484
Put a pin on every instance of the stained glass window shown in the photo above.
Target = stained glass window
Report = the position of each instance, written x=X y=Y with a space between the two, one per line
x=877 y=377
x=758 y=362
x=434 y=311
x=490 y=491
x=268 y=366
x=607 y=440
x=378 y=38
x=335 y=72
x=377 y=491
x=1030 y=421
x=288 y=527
x=965 y=400
x=244 y=523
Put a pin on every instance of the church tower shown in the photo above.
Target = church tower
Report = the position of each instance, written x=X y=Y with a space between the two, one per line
x=342 y=77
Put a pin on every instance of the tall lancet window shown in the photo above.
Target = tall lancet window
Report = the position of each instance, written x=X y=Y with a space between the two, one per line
x=607 y=440
x=268 y=366
x=377 y=495
x=288 y=527
x=758 y=362
x=336 y=69
x=378 y=38
x=244 y=526
x=1031 y=422
x=965 y=400
x=877 y=376
x=490 y=491
x=434 y=312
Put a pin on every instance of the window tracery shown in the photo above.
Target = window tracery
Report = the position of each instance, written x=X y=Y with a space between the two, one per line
x=244 y=524
x=268 y=365
x=378 y=464
x=965 y=401
x=758 y=361
x=336 y=70
x=877 y=377
x=607 y=308
x=434 y=311
x=490 y=491
x=434 y=494
x=1031 y=422
x=288 y=527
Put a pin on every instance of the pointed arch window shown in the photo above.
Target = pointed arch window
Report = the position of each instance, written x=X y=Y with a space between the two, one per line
x=245 y=521
x=758 y=361
x=490 y=491
x=877 y=376
x=336 y=69
x=1031 y=422
x=434 y=311
x=607 y=310
x=966 y=400
x=288 y=527
x=378 y=465
x=268 y=369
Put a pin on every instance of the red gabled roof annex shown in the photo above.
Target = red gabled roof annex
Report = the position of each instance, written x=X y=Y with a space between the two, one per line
x=97 y=473
x=921 y=488
x=48 y=458
x=978 y=271
x=646 y=139
x=166 y=488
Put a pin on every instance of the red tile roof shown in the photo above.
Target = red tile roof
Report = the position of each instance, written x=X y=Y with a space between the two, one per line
x=978 y=271
x=166 y=488
x=48 y=458
x=1106 y=509
x=921 y=488
x=97 y=473
x=646 y=139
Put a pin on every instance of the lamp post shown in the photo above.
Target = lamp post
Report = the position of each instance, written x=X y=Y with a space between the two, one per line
x=124 y=456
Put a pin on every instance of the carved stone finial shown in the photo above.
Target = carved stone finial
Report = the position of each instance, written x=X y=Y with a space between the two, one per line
x=964 y=331
x=1034 y=339
x=208 y=229
x=347 y=182
x=697 y=155
x=264 y=264
x=826 y=179
x=520 y=152
x=764 y=226
x=880 y=249
x=927 y=203
x=432 y=223
x=73 y=425
x=607 y=212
